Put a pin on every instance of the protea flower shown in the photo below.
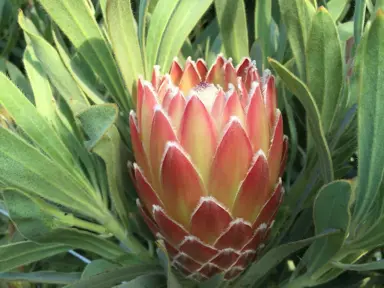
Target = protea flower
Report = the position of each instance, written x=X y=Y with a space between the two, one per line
x=210 y=152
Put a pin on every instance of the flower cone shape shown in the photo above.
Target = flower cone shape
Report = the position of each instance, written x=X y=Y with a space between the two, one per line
x=210 y=152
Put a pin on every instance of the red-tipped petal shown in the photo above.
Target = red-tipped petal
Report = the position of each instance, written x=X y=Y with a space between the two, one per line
x=162 y=133
x=243 y=67
x=244 y=99
x=156 y=77
x=202 y=69
x=216 y=73
x=190 y=77
x=138 y=150
x=238 y=234
x=187 y=262
x=181 y=184
x=171 y=250
x=230 y=164
x=209 y=220
x=163 y=88
x=218 y=108
x=175 y=72
x=245 y=259
x=193 y=247
x=176 y=110
x=257 y=122
x=230 y=75
x=270 y=99
x=251 y=76
x=182 y=269
x=233 y=273
x=208 y=270
x=171 y=230
x=270 y=208
x=256 y=239
x=225 y=259
x=284 y=156
x=232 y=108
x=196 y=125
x=140 y=99
x=276 y=150
x=147 y=195
x=147 y=112
x=147 y=219
x=254 y=191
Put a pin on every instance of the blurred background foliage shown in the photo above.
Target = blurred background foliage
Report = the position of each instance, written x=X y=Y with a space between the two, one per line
x=315 y=53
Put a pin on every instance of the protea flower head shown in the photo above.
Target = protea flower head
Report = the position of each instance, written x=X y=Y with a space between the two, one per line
x=210 y=152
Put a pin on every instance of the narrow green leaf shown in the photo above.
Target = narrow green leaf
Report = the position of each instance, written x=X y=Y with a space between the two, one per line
x=297 y=17
x=146 y=281
x=23 y=253
x=233 y=28
x=379 y=265
x=33 y=124
x=331 y=211
x=359 y=20
x=300 y=90
x=96 y=267
x=122 y=30
x=96 y=121
x=115 y=156
x=263 y=22
x=142 y=26
x=337 y=8
x=19 y=80
x=324 y=65
x=23 y=167
x=75 y=19
x=44 y=101
x=54 y=67
x=368 y=85
x=116 y=276
x=46 y=277
x=171 y=23
x=79 y=69
x=273 y=257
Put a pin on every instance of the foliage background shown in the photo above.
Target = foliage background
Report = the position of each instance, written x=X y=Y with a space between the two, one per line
x=68 y=213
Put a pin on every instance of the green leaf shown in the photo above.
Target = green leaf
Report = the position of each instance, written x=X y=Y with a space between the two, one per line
x=378 y=265
x=331 y=211
x=31 y=221
x=116 y=276
x=46 y=277
x=23 y=253
x=171 y=23
x=263 y=22
x=96 y=267
x=96 y=121
x=79 y=69
x=166 y=263
x=44 y=101
x=23 y=167
x=53 y=66
x=301 y=91
x=324 y=65
x=122 y=30
x=145 y=281
x=115 y=156
x=77 y=239
x=338 y=8
x=20 y=81
x=368 y=85
x=33 y=124
x=233 y=28
x=273 y=257
x=75 y=19
x=297 y=17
